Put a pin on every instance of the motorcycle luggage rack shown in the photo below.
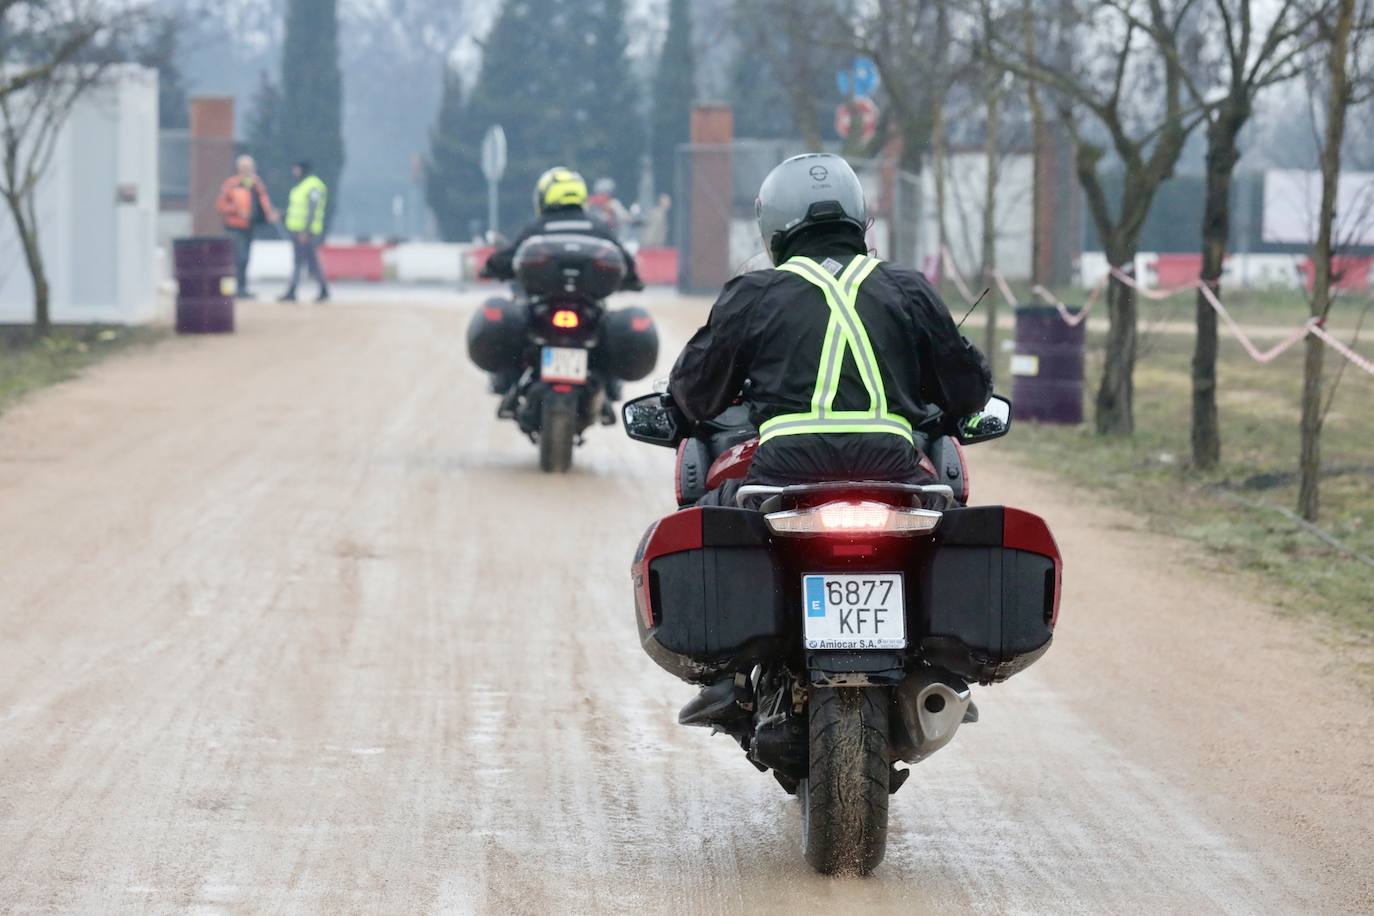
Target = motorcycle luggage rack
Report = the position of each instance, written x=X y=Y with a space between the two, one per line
x=937 y=497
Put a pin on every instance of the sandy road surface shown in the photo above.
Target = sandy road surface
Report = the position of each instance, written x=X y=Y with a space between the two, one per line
x=288 y=623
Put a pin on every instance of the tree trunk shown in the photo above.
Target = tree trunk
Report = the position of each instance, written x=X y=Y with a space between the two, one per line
x=1222 y=156
x=991 y=153
x=1337 y=102
x=26 y=227
x=1310 y=452
x=1116 y=394
x=937 y=167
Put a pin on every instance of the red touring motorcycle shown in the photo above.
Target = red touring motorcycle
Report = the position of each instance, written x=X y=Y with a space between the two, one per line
x=838 y=626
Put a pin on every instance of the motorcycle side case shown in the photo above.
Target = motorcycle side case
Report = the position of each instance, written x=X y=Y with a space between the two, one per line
x=497 y=334
x=630 y=340
x=988 y=593
x=709 y=595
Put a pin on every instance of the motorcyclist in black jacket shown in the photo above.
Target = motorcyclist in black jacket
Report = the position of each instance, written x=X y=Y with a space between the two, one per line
x=560 y=198
x=843 y=354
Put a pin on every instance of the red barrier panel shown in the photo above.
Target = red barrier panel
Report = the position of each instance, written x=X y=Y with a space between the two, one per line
x=477 y=259
x=1349 y=274
x=657 y=266
x=352 y=262
x=1174 y=270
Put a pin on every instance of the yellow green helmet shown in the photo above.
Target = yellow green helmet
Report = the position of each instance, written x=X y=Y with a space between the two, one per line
x=559 y=187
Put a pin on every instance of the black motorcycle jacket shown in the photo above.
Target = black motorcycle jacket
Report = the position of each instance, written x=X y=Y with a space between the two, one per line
x=555 y=220
x=768 y=329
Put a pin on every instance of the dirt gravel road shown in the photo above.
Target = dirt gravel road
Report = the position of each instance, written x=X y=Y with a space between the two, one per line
x=290 y=624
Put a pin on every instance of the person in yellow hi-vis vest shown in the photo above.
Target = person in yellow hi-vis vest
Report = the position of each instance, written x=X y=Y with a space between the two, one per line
x=305 y=209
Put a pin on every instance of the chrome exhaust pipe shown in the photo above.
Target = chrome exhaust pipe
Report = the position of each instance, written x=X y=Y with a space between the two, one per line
x=932 y=705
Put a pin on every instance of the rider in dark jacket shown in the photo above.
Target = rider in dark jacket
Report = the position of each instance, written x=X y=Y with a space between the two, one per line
x=843 y=355
x=560 y=197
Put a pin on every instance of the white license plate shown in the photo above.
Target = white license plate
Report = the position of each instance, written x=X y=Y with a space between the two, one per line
x=865 y=611
x=563 y=364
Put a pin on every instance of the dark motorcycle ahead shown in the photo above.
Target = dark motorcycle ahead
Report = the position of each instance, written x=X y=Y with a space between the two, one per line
x=837 y=626
x=557 y=354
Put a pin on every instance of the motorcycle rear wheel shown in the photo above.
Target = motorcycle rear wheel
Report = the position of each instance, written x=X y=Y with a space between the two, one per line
x=844 y=797
x=557 y=431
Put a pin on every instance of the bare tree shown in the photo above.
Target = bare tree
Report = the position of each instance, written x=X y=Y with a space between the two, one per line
x=910 y=43
x=1252 y=57
x=61 y=62
x=1341 y=31
x=1128 y=90
x=797 y=42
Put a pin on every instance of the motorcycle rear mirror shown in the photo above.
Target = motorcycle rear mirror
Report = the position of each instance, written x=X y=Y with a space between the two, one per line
x=992 y=422
x=650 y=419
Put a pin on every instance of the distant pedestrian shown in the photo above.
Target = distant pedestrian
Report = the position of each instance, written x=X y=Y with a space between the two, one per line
x=244 y=205
x=655 y=233
x=603 y=203
x=305 y=210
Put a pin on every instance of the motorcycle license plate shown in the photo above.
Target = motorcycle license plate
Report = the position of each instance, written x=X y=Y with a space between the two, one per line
x=563 y=364
x=866 y=611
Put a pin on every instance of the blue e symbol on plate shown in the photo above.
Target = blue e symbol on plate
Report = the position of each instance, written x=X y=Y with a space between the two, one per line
x=815 y=596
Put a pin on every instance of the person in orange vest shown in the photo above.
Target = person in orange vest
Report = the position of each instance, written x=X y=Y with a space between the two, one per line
x=243 y=204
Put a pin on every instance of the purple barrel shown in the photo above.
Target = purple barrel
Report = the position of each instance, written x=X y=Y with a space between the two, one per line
x=204 y=267
x=1047 y=366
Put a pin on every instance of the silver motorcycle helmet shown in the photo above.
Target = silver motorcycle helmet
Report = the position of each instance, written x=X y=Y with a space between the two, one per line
x=805 y=191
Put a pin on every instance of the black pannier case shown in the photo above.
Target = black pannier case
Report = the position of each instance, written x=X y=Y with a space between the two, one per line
x=569 y=265
x=497 y=335
x=987 y=594
x=709 y=597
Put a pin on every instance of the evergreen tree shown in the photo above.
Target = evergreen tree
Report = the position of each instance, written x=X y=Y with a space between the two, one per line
x=611 y=132
x=451 y=165
x=524 y=85
x=263 y=135
x=161 y=51
x=311 y=123
x=674 y=92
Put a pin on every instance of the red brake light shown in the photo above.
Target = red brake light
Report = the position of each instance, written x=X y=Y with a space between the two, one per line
x=853 y=518
x=641 y=324
x=566 y=319
x=492 y=313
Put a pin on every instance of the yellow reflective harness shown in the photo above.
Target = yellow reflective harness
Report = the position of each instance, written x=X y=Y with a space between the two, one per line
x=845 y=333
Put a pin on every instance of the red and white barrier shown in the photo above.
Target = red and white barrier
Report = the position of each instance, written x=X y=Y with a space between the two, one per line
x=1313 y=326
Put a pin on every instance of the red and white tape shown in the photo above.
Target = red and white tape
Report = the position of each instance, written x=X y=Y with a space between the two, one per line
x=1071 y=318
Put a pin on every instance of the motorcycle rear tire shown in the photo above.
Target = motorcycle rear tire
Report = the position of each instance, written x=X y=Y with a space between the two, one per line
x=844 y=797
x=557 y=432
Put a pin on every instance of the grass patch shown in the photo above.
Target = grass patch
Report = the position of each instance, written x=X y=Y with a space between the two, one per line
x=28 y=362
x=1229 y=512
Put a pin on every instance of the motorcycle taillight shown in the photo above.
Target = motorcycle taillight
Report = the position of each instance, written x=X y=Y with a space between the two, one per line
x=848 y=518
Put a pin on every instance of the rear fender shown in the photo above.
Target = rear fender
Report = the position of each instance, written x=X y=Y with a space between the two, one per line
x=733 y=464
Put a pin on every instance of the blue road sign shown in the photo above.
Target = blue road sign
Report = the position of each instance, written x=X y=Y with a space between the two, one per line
x=861 y=75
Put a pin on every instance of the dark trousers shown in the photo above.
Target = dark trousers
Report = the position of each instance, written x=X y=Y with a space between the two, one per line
x=307 y=256
x=243 y=243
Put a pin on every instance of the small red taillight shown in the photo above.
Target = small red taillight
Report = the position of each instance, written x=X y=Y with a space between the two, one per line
x=640 y=325
x=492 y=313
x=566 y=319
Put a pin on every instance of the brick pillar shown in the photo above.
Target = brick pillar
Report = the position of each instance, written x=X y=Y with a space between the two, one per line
x=707 y=266
x=212 y=159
